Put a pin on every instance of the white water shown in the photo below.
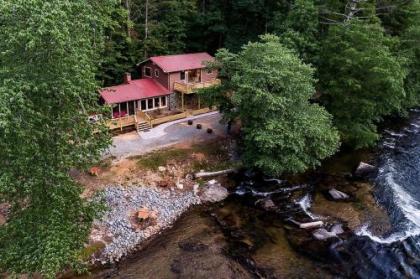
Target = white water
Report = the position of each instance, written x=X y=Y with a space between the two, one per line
x=405 y=202
x=305 y=204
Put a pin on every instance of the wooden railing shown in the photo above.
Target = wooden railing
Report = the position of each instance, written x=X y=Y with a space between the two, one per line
x=168 y=118
x=125 y=121
x=121 y=122
x=188 y=88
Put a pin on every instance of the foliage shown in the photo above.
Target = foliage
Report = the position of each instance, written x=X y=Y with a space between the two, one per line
x=269 y=89
x=47 y=89
x=300 y=30
x=410 y=49
x=361 y=80
x=121 y=48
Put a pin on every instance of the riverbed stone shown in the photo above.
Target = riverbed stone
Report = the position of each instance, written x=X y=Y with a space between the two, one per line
x=364 y=169
x=338 y=195
x=213 y=192
x=322 y=234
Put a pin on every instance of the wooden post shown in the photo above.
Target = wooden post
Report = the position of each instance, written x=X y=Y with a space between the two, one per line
x=182 y=102
x=119 y=115
x=199 y=105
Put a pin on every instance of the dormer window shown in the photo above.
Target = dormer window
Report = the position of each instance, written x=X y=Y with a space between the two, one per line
x=147 y=72
x=156 y=72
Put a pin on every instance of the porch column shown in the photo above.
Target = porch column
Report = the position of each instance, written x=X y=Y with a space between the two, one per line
x=182 y=101
x=119 y=115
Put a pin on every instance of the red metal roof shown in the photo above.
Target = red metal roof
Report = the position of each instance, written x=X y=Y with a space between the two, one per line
x=135 y=90
x=182 y=62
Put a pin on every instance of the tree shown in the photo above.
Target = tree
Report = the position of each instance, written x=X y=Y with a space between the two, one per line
x=410 y=50
x=361 y=80
x=122 y=49
x=47 y=89
x=269 y=88
x=162 y=26
x=300 y=30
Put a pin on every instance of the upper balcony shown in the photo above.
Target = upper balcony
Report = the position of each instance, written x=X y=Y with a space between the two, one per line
x=192 y=87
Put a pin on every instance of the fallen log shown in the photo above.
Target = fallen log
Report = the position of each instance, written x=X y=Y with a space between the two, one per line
x=311 y=225
x=214 y=173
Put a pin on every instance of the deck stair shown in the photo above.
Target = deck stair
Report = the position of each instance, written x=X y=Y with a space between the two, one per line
x=143 y=126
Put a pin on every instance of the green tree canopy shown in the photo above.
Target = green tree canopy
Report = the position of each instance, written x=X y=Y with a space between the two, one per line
x=269 y=89
x=47 y=89
x=300 y=30
x=410 y=50
x=361 y=80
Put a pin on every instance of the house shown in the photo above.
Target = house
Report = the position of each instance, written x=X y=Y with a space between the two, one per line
x=166 y=91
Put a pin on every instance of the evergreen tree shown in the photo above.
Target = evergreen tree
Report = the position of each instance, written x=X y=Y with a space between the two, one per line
x=361 y=80
x=122 y=50
x=47 y=89
x=300 y=30
x=269 y=88
x=410 y=50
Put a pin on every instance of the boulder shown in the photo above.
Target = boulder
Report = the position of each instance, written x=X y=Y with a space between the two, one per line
x=323 y=234
x=338 y=195
x=213 y=192
x=266 y=204
x=337 y=229
x=161 y=168
x=364 y=169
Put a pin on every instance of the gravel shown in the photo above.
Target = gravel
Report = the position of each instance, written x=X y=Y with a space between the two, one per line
x=115 y=228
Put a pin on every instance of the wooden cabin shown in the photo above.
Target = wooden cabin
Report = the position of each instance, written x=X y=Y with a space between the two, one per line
x=166 y=91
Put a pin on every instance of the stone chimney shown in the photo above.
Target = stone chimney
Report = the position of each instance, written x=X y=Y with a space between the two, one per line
x=127 y=78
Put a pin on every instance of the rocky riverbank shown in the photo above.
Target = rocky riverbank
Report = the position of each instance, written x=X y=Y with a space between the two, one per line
x=137 y=213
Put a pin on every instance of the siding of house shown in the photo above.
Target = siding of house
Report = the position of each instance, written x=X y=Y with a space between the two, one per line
x=206 y=76
x=174 y=77
x=163 y=77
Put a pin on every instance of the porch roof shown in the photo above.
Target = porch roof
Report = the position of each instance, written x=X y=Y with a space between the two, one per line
x=133 y=90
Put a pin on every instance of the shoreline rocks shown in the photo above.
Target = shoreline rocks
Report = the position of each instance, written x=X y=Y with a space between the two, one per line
x=121 y=236
x=117 y=221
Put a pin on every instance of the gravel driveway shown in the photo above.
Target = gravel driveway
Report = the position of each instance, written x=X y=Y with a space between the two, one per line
x=131 y=144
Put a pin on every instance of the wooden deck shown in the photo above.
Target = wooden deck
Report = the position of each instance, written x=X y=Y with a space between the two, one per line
x=142 y=117
x=189 y=88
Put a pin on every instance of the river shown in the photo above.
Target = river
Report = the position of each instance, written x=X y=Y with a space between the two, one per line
x=238 y=239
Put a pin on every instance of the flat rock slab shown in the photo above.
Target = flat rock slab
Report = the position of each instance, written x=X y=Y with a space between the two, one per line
x=338 y=195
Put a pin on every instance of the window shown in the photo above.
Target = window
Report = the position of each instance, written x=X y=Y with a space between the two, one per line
x=156 y=72
x=182 y=75
x=163 y=101
x=147 y=72
x=143 y=105
x=149 y=103
x=157 y=102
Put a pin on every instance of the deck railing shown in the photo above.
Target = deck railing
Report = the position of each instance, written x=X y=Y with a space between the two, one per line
x=188 y=88
x=132 y=120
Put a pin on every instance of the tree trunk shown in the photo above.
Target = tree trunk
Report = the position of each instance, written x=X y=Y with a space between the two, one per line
x=215 y=173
